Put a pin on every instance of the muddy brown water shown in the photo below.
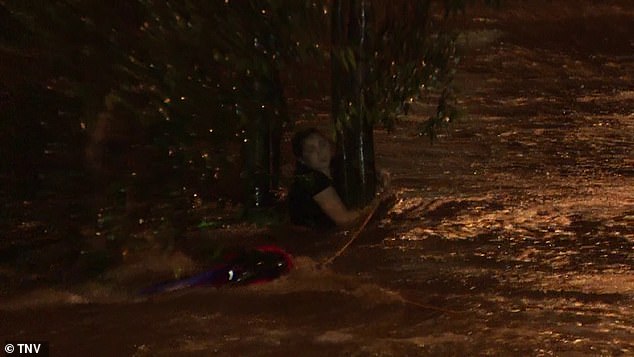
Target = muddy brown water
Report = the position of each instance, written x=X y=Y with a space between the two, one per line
x=512 y=235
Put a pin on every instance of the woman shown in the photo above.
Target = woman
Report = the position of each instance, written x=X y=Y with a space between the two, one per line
x=313 y=200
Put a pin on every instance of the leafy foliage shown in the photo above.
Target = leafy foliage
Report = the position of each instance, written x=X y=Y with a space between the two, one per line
x=184 y=69
x=385 y=54
x=184 y=83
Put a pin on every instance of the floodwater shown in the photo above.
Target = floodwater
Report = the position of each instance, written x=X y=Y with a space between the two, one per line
x=512 y=235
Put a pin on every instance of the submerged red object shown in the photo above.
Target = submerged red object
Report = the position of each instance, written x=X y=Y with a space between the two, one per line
x=243 y=267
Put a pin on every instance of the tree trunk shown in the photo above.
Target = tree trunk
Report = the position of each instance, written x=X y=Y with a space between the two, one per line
x=355 y=171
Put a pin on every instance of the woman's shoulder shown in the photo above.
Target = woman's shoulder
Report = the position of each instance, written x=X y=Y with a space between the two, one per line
x=301 y=170
x=310 y=180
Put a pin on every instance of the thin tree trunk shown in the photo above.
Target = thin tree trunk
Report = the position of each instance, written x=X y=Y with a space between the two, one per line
x=356 y=173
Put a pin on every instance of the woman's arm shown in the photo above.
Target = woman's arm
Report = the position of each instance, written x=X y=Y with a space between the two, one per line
x=330 y=202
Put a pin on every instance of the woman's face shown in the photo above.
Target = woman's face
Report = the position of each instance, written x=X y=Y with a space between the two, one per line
x=316 y=152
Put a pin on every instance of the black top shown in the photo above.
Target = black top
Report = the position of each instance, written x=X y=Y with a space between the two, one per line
x=303 y=208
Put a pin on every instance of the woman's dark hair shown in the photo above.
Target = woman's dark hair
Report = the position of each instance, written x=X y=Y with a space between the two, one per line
x=298 y=140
